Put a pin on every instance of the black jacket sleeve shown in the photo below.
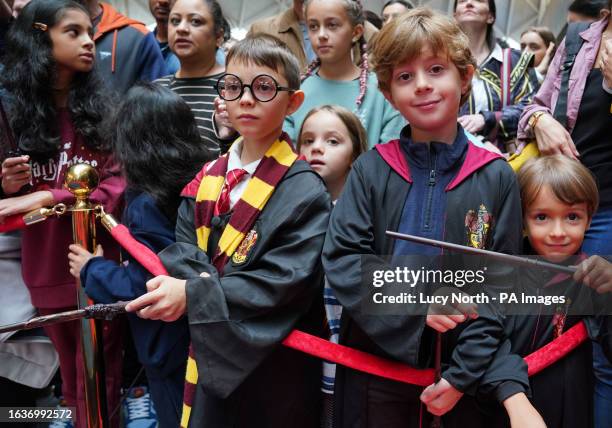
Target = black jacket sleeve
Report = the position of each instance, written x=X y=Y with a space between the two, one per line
x=350 y=236
x=478 y=341
x=507 y=373
x=237 y=320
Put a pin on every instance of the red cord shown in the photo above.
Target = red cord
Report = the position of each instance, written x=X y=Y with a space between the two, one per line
x=353 y=358
x=13 y=222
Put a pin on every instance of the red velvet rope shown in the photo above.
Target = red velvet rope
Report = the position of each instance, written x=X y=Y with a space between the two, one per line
x=13 y=222
x=143 y=254
x=557 y=349
x=357 y=360
x=354 y=358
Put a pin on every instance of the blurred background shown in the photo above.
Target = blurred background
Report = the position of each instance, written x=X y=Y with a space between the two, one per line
x=513 y=16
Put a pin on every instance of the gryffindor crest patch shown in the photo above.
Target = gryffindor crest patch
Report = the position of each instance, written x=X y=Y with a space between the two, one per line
x=478 y=226
x=241 y=254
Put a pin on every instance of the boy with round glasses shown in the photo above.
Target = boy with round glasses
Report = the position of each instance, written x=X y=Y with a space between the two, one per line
x=246 y=266
x=263 y=87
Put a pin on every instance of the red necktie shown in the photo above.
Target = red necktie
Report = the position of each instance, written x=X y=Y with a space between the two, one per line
x=233 y=178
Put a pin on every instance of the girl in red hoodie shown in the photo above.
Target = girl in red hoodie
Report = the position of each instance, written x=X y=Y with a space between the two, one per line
x=56 y=107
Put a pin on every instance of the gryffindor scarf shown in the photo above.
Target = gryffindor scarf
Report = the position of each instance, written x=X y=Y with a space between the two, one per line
x=273 y=166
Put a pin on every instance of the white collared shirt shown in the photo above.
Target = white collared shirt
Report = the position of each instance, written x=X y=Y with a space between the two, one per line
x=234 y=162
x=479 y=92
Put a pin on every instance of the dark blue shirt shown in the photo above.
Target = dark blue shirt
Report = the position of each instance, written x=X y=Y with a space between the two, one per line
x=432 y=167
x=172 y=62
x=160 y=346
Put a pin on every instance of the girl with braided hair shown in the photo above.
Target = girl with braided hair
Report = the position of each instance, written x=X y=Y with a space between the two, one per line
x=334 y=27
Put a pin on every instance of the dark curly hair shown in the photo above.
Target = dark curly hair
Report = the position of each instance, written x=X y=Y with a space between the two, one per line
x=29 y=70
x=156 y=141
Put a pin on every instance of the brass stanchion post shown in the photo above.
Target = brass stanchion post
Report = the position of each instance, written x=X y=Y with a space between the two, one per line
x=81 y=180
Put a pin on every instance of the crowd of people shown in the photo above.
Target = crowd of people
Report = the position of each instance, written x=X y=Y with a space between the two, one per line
x=265 y=173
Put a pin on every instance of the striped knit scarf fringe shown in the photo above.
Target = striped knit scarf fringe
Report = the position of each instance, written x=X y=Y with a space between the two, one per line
x=275 y=163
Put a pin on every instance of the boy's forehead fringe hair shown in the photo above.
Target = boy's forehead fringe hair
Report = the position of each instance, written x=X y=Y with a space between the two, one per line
x=569 y=180
x=267 y=51
x=404 y=38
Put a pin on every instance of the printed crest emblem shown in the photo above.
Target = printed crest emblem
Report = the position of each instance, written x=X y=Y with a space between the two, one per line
x=242 y=252
x=477 y=226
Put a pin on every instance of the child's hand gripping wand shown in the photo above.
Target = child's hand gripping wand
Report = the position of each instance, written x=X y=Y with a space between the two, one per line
x=98 y=311
x=515 y=260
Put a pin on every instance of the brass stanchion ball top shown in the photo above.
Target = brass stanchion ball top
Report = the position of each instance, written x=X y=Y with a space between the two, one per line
x=81 y=180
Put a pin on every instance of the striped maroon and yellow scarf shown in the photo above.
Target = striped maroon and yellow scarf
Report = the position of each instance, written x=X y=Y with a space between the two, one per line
x=273 y=166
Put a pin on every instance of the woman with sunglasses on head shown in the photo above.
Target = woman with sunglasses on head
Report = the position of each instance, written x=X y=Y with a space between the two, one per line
x=195 y=32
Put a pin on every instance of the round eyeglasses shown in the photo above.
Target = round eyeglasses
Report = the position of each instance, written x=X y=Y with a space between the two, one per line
x=263 y=87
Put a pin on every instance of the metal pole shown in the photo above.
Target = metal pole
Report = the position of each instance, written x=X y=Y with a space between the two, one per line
x=81 y=180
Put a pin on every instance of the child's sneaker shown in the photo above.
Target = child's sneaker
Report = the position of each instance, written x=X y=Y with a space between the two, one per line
x=138 y=410
x=61 y=423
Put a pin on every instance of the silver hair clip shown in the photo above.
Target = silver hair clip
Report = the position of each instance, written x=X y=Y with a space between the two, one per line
x=40 y=26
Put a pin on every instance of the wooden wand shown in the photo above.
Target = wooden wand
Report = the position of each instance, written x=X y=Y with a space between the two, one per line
x=509 y=258
x=99 y=311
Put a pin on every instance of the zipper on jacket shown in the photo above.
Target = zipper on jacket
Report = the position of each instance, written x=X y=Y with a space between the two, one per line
x=430 y=184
